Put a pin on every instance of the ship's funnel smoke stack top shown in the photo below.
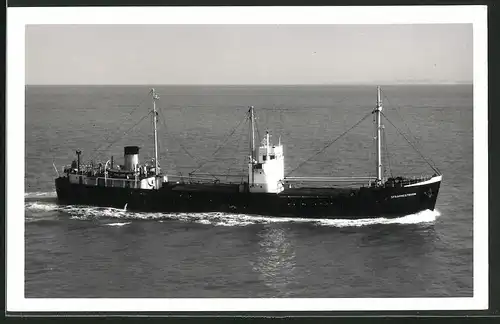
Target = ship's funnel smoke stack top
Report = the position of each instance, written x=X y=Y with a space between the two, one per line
x=131 y=157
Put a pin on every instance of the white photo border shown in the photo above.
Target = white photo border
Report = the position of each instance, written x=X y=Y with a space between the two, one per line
x=18 y=18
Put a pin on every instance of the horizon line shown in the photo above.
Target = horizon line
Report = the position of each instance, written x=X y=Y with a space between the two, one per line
x=253 y=84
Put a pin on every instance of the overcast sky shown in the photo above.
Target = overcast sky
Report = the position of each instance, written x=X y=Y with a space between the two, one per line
x=248 y=54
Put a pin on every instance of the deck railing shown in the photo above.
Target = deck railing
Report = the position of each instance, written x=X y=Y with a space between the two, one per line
x=212 y=178
x=354 y=180
x=240 y=179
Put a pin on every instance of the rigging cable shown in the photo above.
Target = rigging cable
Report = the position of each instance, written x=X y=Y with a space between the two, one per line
x=387 y=155
x=92 y=154
x=220 y=146
x=160 y=146
x=329 y=144
x=408 y=127
x=412 y=145
x=125 y=133
x=257 y=128
x=163 y=120
x=371 y=154
x=243 y=134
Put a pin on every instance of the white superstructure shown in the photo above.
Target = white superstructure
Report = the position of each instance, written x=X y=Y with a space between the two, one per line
x=266 y=169
x=129 y=175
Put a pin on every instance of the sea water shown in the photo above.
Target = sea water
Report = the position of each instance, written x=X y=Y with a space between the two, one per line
x=81 y=251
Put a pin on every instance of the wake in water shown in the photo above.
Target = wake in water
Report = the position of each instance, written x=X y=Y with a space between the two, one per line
x=216 y=218
x=38 y=194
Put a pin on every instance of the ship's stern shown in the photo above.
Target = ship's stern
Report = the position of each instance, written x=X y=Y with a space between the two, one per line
x=63 y=188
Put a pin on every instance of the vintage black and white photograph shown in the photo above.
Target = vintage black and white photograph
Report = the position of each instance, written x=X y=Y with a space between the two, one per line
x=249 y=160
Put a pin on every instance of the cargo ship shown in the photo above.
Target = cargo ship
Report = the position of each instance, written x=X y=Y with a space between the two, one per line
x=265 y=190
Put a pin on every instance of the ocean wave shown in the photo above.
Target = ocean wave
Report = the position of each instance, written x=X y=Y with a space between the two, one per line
x=37 y=206
x=223 y=219
x=38 y=194
x=118 y=224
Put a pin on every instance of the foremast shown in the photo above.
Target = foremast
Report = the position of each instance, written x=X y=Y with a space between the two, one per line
x=251 y=117
x=155 y=97
x=378 y=130
x=158 y=178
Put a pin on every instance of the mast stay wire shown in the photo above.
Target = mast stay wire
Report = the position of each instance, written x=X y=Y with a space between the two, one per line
x=164 y=122
x=329 y=144
x=412 y=145
x=371 y=156
x=416 y=142
x=257 y=128
x=387 y=154
x=201 y=163
x=220 y=146
x=241 y=138
x=98 y=149
x=126 y=132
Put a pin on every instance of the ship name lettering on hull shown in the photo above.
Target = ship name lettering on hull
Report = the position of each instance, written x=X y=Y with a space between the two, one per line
x=404 y=195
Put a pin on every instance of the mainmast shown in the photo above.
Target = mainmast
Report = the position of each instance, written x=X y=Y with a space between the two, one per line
x=155 y=121
x=378 y=126
x=252 y=141
x=267 y=143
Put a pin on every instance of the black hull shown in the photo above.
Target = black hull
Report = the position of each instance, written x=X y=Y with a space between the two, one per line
x=389 y=202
